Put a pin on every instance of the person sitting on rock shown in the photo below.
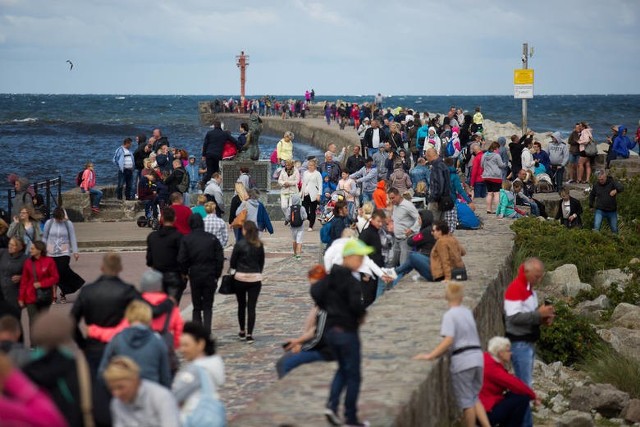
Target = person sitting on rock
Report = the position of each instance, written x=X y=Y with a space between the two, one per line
x=504 y=396
x=569 y=210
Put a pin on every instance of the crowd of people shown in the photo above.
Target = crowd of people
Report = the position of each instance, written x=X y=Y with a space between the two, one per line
x=389 y=207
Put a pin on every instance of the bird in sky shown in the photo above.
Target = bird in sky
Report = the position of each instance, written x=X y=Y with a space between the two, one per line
x=70 y=65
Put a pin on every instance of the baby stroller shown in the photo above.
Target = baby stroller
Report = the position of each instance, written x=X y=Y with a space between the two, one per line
x=326 y=213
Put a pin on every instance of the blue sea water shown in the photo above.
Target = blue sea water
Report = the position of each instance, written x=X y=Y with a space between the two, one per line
x=46 y=135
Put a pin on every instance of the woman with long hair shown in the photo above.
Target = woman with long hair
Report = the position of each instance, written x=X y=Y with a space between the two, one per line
x=60 y=238
x=247 y=259
x=25 y=228
x=584 y=163
x=240 y=197
x=202 y=373
x=88 y=184
x=39 y=272
x=11 y=264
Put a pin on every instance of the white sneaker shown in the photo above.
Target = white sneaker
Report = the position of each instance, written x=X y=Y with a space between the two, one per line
x=391 y=272
x=309 y=229
x=416 y=277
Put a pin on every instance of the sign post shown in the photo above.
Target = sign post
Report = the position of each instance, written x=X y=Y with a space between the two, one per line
x=523 y=84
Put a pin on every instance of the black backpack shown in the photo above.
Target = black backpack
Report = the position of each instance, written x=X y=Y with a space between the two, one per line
x=296 y=216
x=184 y=183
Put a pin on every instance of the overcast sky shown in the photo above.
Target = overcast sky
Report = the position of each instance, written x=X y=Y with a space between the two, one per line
x=462 y=47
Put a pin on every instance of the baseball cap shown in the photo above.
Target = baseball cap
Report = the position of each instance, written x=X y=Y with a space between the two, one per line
x=356 y=247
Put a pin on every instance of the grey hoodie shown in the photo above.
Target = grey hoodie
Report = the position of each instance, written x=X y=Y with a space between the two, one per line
x=558 y=153
x=492 y=165
x=186 y=386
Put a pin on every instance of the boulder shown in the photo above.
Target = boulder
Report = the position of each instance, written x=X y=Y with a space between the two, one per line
x=626 y=316
x=603 y=398
x=624 y=341
x=572 y=289
x=606 y=278
x=567 y=273
x=634 y=261
x=631 y=412
x=593 y=308
x=575 y=419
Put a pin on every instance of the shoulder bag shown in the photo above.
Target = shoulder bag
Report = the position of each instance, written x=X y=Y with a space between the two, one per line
x=44 y=296
x=591 y=149
x=227 y=285
x=239 y=220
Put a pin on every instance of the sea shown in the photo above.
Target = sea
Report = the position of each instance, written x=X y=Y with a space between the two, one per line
x=44 y=136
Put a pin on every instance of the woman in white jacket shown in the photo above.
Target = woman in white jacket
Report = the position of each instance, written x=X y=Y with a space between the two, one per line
x=526 y=157
x=311 y=191
x=203 y=373
x=288 y=180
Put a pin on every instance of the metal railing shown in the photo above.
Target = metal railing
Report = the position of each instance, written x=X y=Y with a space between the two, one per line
x=51 y=190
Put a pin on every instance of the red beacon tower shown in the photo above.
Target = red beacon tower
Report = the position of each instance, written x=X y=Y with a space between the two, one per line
x=242 y=61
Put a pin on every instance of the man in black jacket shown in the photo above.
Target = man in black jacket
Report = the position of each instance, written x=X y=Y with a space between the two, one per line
x=374 y=138
x=339 y=295
x=371 y=236
x=163 y=246
x=438 y=184
x=175 y=179
x=603 y=198
x=202 y=256
x=355 y=162
x=212 y=148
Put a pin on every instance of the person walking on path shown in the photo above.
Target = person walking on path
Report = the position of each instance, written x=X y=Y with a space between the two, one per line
x=202 y=256
x=523 y=318
x=163 y=246
x=123 y=159
x=247 y=259
x=215 y=225
x=25 y=228
x=60 y=237
x=439 y=185
x=88 y=184
x=339 y=295
x=603 y=197
x=311 y=191
x=288 y=181
x=39 y=272
x=295 y=216
x=12 y=261
x=461 y=340
x=212 y=149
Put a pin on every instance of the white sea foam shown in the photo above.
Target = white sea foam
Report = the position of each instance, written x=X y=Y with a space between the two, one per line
x=27 y=120
x=121 y=97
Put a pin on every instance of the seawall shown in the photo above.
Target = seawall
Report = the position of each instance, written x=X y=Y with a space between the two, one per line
x=397 y=391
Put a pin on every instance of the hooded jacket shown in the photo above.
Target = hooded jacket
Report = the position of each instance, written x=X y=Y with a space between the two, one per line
x=339 y=294
x=439 y=180
x=506 y=205
x=146 y=348
x=433 y=140
x=201 y=254
x=558 y=153
x=522 y=319
x=622 y=144
x=187 y=387
x=421 y=136
x=295 y=200
x=492 y=166
x=380 y=195
x=424 y=240
x=400 y=180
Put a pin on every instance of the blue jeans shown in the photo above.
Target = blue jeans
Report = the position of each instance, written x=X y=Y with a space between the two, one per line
x=95 y=195
x=346 y=348
x=367 y=197
x=522 y=355
x=125 y=179
x=418 y=261
x=289 y=361
x=371 y=151
x=611 y=217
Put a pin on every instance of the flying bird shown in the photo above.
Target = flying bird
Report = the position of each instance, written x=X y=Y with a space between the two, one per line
x=70 y=65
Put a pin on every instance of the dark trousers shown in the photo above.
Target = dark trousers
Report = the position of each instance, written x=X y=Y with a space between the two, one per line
x=247 y=296
x=213 y=166
x=557 y=175
x=202 y=295
x=173 y=284
x=310 y=207
x=346 y=349
x=125 y=179
x=510 y=411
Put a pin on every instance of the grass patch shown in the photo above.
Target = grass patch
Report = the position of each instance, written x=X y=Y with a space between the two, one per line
x=605 y=365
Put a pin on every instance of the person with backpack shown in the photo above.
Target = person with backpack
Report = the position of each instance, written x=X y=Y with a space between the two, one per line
x=196 y=385
x=296 y=215
x=178 y=179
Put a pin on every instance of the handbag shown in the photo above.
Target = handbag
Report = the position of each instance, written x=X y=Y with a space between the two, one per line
x=44 y=296
x=239 y=220
x=446 y=203
x=591 y=149
x=459 y=274
x=227 y=285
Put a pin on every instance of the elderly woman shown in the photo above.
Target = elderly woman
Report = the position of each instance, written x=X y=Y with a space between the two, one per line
x=284 y=148
x=288 y=180
x=60 y=237
x=503 y=395
x=25 y=228
x=11 y=263
x=138 y=401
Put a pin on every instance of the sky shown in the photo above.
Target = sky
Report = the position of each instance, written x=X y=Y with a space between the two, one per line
x=347 y=47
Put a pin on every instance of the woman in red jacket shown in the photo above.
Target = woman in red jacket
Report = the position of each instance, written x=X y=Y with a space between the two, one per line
x=39 y=271
x=504 y=409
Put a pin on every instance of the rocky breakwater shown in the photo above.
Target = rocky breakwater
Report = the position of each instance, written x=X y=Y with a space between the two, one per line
x=397 y=390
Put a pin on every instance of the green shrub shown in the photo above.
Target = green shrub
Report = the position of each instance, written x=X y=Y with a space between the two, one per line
x=605 y=365
x=569 y=339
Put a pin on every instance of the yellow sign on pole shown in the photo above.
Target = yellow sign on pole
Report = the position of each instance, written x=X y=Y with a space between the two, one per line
x=523 y=76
